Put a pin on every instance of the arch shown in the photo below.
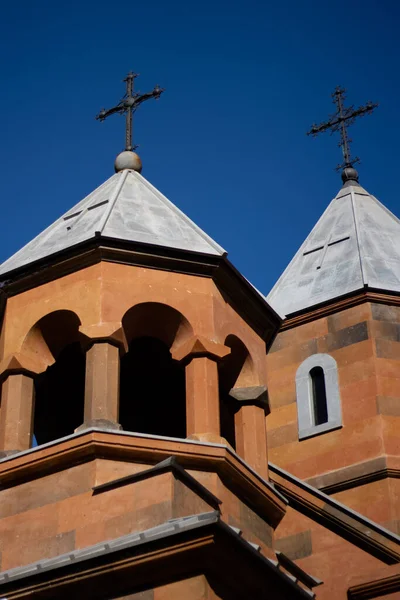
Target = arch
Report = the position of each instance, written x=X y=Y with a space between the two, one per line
x=154 y=319
x=51 y=334
x=318 y=397
x=235 y=370
x=152 y=383
x=60 y=389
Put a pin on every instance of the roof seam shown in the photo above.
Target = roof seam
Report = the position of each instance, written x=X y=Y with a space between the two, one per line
x=354 y=212
x=113 y=201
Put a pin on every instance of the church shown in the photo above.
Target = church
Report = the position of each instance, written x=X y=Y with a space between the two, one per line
x=167 y=432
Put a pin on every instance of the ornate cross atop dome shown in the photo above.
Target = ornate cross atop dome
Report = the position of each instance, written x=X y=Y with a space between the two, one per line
x=340 y=121
x=128 y=106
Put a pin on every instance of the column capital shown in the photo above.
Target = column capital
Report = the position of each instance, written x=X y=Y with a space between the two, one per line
x=108 y=333
x=256 y=395
x=198 y=347
x=21 y=364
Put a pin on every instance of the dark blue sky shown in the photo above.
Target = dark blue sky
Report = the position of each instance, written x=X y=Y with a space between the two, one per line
x=226 y=142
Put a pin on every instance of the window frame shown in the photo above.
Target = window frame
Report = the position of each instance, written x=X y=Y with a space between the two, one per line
x=304 y=396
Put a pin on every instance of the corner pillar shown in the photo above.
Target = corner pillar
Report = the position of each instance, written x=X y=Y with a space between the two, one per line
x=250 y=426
x=104 y=344
x=200 y=357
x=17 y=374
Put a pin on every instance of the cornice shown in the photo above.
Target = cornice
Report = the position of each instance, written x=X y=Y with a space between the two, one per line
x=356 y=475
x=114 y=445
x=375 y=589
x=335 y=306
x=336 y=517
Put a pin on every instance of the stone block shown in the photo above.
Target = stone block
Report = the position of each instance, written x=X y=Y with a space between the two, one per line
x=282 y=435
x=387 y=405
x=46 y=490
x=349 y=317
x=23 y=554
x=295 y=546
x=252 y=524
x=361 y=351
x=344 y=337
x=383 y=312
x=386 y=348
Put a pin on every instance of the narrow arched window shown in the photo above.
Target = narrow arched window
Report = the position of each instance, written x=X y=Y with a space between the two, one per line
x=318 y=398
x=318 y=393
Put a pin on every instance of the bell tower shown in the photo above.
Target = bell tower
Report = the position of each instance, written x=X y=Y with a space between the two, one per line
x=333 y=368
x=133 y=403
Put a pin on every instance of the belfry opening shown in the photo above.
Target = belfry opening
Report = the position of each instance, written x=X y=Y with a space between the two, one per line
x=152 y=383
x=60 y=389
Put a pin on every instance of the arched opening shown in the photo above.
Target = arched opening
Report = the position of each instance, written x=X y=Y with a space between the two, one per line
x=235 y=370
x=152 y=384
x=60 y=390
x=318 y=396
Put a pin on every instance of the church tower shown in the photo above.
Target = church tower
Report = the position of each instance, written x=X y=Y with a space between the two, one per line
x=133 y=403
x=333 y=369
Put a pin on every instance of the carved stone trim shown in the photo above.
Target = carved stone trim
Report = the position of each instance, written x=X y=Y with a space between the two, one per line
x=198 y=347
x=255 y=395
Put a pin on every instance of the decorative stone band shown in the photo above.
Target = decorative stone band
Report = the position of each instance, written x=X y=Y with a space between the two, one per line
x=256 y=395
x=198 y=347
x=110 y=333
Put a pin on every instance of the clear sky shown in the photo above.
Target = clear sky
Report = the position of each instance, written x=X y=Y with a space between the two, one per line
x=226 y=142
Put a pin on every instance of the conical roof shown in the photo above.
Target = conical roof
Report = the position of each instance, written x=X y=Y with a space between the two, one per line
x=125 y=207
x=354 y=245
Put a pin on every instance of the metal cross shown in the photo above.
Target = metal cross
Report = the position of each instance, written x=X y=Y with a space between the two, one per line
x=324 y=247
x=340 y=121
x=128 y=106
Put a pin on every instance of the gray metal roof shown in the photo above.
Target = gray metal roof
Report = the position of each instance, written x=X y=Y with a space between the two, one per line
x=355 y=244
x=126 y=207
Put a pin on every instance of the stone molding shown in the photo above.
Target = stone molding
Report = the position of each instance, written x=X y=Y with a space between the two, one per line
x=198 y=347
x=255 y=395
x=337 y=517
x=110 y=333
x=88 y=445
x=378 y=588
x=24 y=364
x=333 y=307
x=355 y=475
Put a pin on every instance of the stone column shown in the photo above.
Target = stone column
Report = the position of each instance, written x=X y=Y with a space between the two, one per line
x=200 y=357
x=104 y=344
x=250 y=426
x=17 y=374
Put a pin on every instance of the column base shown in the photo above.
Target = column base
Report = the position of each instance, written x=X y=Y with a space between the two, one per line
x=100 y=423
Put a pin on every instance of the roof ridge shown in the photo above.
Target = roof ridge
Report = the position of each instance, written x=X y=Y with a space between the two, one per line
x=178 y=212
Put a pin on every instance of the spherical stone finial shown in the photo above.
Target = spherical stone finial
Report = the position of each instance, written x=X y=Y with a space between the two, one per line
x=128 y=160
x=349 y=174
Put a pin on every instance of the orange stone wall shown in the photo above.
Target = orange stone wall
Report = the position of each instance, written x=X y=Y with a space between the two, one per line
x=365 y=342
x=325 y=555
x=42 y=517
